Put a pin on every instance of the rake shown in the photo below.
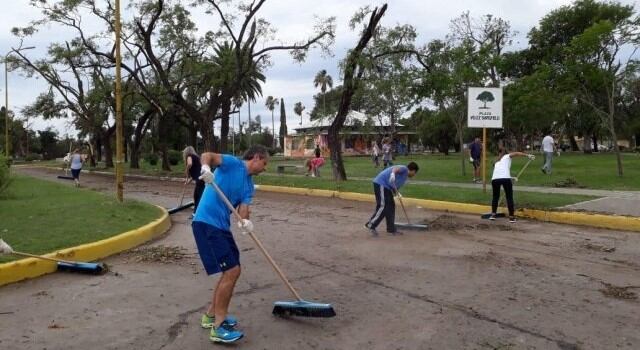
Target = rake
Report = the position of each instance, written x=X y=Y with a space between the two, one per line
x=63 y=265
x=502 y=215
x=299 y=307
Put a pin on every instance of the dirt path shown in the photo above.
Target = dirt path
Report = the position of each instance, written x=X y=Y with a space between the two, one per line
x=465 y=284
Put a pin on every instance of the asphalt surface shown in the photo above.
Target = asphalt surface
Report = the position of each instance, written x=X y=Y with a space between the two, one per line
x=464 y=284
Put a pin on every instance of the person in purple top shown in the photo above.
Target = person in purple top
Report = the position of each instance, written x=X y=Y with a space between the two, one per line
x=385 y=185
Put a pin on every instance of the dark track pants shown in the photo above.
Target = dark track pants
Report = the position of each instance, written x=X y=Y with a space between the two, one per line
x=385 y=208
x=508 y=191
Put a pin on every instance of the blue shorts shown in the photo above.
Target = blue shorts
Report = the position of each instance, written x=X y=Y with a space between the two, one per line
x=217 y=248
x=75 y=173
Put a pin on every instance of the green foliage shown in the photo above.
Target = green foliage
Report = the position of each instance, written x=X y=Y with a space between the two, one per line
x=43 y=216
x=437 y=130
x=32 y=156
x=174 y=157
x=5 y=173
x=151 y=158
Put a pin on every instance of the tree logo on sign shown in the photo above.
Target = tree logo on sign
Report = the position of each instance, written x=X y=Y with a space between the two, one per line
x=485 y=97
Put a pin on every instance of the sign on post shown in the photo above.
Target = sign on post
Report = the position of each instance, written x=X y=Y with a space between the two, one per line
x=484 y=108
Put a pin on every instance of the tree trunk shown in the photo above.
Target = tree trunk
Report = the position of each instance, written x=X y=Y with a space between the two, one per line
x=224 y=126
x=350 y=84
x=208 y=139
x=595 y=142
x=573 y=143
x=586 y=144
x=108 y=152
x=614 y=137
x=138 y=134
x=98 y=148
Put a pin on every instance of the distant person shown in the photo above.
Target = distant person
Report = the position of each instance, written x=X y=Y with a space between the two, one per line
x=386 y=153
x=313 y=166
x=385 y=186
x=548 y=147
x=375 y=153
x=317 y=151
x=502 y=177
x=192 y=167
x=76 y=161
x=475 y=153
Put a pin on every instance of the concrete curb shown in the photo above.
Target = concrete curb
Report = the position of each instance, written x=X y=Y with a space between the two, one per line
x=613 y=222
x=31 y=267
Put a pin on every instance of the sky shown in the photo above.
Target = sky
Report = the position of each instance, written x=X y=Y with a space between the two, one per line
x=293 y=20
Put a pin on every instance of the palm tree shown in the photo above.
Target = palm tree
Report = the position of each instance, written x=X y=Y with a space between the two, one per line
x=323 y=80
x=297 y=109
x=271 y=104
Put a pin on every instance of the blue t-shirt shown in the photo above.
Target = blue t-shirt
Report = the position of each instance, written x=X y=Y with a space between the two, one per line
x=235 y=182
x=476 y=150
x=401 y=177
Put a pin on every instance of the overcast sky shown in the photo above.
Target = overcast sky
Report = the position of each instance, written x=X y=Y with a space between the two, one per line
x=292 y=19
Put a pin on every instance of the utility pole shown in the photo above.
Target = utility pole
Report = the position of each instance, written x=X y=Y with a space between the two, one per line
x=119 y=118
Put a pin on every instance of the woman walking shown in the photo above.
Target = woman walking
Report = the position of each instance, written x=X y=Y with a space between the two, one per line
x=375 y=153
x=76 y=166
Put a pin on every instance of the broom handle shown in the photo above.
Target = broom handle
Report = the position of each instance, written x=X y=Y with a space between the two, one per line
x=42 y=257
x=524 y=167
x=402 y=205
x=258 y=243
x=184 y=188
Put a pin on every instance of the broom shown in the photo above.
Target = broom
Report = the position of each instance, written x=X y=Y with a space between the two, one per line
x=181 y=206
x=408 y=225
x=63 y=265
x=299 y=307
x=502 y=215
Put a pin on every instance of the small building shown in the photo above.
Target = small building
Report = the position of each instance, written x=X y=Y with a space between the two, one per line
x=357 y=134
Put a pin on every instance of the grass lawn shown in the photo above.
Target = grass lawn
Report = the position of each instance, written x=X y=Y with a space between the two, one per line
x=596 y=171
x=39 y=216
x=463 y=195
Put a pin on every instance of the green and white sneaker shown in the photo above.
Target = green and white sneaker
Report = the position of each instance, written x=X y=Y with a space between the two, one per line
x=225 y=334
x=208 y=321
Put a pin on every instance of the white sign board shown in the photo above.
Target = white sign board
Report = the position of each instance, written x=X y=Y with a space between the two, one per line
x=484 y=108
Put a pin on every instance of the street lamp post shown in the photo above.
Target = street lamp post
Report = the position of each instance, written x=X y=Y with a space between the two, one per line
x=6 y=98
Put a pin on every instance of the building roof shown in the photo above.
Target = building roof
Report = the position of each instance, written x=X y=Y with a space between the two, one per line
x=353 y=118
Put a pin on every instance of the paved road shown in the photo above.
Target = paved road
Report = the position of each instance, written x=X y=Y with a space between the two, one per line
x=464 y=284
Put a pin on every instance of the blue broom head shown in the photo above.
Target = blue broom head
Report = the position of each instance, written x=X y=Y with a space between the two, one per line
x=303 y=308
x=83 y=267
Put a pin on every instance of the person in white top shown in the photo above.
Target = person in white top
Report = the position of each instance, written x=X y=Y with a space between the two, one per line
x=548 y=147
x=502 y=177
x=76 y=166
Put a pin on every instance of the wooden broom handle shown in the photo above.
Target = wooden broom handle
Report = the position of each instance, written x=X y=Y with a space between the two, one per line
x=258 y=243
x=524 y=167
x=402 y=205
x=42 y=257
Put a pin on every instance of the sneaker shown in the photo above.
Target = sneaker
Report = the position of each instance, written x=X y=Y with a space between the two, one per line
x=492 y=217
x=372 y=231
x=512 y=219
x=208 y=321
x=543 y=170
x=225 y=334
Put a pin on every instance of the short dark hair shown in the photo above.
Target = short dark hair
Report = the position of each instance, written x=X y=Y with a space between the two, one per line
x=413 y=166
x=260 y=150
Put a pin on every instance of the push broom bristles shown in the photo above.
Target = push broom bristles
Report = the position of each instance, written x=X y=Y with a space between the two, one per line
x=302 y=308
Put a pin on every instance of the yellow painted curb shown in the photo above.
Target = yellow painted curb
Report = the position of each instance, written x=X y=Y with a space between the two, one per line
x=31 y=267
x=613 y=222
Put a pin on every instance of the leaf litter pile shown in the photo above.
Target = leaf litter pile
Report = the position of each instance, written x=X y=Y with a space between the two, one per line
x=618 y=292
x=158 y=254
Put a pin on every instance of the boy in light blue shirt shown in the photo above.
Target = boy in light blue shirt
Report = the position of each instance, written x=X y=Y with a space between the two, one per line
x=385 y=185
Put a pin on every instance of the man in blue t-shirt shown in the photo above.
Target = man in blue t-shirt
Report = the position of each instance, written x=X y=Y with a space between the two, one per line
x=475 y=153
x=385 y=185
x=211 y=230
